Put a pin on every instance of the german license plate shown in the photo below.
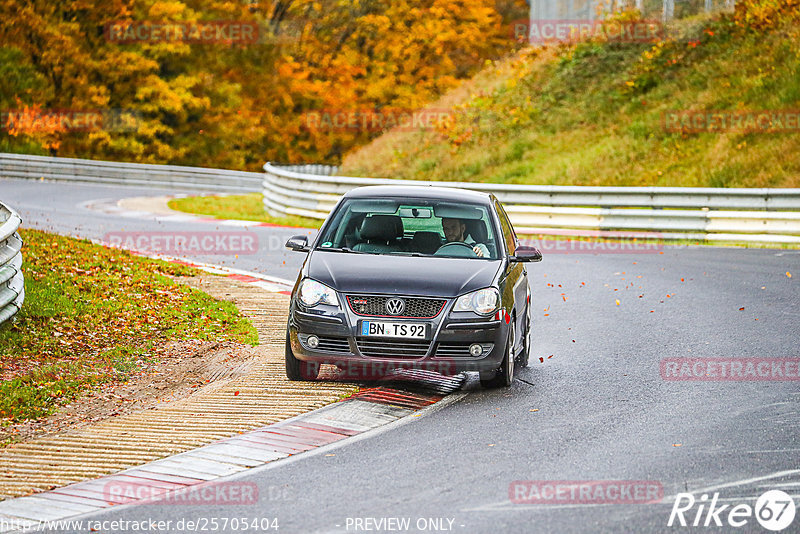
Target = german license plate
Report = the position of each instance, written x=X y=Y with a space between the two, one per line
x=387 y=329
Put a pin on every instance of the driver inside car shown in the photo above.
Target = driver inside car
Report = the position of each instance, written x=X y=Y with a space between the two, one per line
x=454 y=233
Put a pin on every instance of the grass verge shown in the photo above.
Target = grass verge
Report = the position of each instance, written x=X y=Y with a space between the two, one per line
x=93 y=315
x=595 y=113
x=247 y=207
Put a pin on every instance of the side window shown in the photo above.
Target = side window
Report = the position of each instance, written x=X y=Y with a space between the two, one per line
x=508 y=231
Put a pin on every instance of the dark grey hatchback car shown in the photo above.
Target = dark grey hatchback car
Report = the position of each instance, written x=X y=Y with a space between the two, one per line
x=412 y=277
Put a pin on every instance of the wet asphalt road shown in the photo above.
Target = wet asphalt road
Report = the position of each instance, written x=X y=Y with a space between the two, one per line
x=596 y=408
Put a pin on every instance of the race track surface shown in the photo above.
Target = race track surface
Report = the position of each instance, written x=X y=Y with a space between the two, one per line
x=596 y=409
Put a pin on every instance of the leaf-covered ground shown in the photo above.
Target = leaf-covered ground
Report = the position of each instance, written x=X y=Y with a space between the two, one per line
x=94 y=315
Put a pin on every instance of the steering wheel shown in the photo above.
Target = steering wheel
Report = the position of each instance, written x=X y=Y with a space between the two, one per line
x=458 y=249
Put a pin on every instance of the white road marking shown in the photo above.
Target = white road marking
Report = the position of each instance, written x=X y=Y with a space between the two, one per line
x=771 y=450
x=506 y=505
x=742 y=482
x=428 y=410
x=234 y=222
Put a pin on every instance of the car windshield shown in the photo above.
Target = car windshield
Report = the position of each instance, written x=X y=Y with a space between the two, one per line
x=417 y=227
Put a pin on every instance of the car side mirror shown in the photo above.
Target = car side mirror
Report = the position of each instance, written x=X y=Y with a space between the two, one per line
x=298 y=243
x=526 y=254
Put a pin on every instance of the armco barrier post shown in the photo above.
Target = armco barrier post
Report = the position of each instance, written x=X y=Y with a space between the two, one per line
x=12 y=283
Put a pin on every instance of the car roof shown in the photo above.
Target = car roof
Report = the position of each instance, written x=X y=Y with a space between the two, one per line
x=420 y=191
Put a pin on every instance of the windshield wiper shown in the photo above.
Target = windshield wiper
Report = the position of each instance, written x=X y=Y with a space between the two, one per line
x=340 y=249
x=414 y=254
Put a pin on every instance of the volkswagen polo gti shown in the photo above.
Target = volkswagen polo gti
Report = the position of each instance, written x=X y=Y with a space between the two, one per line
x=412 y=277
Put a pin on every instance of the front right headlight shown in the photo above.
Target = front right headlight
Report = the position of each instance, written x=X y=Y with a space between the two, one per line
x=312 y=293
x=483 y=302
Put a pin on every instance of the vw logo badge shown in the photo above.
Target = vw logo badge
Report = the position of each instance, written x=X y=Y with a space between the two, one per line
x=395 y=306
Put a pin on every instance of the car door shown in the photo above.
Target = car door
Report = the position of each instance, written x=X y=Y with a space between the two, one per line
x=516 y=279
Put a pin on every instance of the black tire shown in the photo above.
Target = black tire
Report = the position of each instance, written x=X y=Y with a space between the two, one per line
x=505 y=375
x=526 y=340
x=298 y=369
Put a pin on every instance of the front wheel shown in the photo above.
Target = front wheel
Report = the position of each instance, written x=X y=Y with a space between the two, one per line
x=526 y=340
x=505 y=375
x=298 y=369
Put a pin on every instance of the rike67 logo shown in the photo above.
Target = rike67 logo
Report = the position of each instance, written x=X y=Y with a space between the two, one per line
x=774 y=510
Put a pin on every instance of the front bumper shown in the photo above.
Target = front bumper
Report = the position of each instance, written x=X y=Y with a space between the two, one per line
x=446 y=350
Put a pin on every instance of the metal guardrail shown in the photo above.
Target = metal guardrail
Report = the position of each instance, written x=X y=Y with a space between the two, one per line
x=717 y=214
x=139 y=174
x=12 y=284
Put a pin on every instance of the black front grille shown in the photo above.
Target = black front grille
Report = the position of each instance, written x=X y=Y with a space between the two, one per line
x=459 y=350
x=375 y=306
x=330 y=344
x=385 y=348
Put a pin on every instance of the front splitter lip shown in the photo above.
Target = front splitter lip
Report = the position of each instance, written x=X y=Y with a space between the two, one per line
x=442 y=365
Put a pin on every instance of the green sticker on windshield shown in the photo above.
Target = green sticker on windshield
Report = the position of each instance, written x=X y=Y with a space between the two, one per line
x=327 y=244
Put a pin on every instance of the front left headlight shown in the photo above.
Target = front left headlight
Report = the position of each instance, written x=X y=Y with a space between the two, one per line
x=312 y=293
x=483 y=302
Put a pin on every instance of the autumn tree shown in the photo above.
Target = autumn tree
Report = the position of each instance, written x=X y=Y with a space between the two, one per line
x=235 y=104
